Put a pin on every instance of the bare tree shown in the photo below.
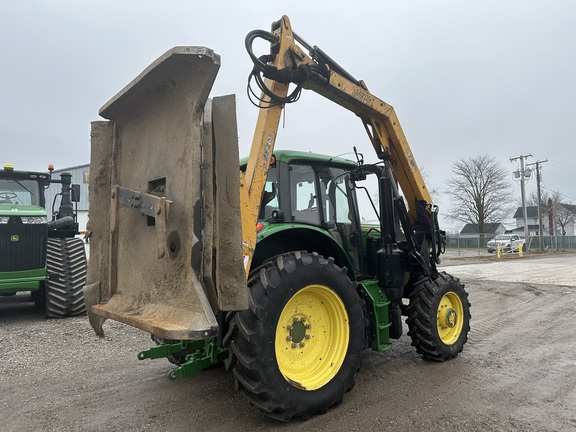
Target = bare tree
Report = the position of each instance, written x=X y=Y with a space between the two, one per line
x=563 y=213
x=564 y=218
x=552 y=205
x=479 y=190
x=532 y=198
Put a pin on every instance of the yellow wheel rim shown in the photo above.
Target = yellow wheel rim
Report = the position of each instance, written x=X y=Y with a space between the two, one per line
x=312 y=337
x=450 y=318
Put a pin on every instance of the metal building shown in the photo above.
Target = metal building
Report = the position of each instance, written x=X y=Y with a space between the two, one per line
x=80 y=174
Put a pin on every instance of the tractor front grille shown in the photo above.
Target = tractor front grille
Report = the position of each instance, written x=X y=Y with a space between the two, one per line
x=22 y=246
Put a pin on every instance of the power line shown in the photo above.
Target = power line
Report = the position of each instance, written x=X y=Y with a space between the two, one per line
x=555 y=191
x=571 y=167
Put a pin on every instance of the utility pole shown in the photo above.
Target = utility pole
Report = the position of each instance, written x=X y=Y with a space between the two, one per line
x=538 y=180
x=523 y=191
x=552 y=222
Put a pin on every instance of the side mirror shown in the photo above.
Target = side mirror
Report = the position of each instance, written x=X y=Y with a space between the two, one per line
x=75 y=192
x=278 y=215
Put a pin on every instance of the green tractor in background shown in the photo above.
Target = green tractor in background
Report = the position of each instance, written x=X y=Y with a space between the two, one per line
x=38 y=255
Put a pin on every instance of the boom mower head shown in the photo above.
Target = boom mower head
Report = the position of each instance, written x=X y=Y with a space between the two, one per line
x=167 y=224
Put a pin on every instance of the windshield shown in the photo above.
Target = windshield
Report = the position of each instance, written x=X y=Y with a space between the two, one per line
x=21 y=192
x=502 y=237
x=337 y=199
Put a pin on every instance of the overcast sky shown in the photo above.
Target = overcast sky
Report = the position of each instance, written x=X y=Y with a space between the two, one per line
x=466 y=78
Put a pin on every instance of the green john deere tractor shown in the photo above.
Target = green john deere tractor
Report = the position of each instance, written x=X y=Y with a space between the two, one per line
x=38 y=255
x=324 y=286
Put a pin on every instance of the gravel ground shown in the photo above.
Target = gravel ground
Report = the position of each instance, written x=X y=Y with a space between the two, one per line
x=517 y=372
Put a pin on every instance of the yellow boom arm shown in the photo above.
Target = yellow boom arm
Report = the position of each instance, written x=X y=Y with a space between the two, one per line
x=288 y=63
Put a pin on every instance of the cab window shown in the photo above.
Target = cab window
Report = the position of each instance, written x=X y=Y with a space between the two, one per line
x=336 y=195
x=303 y=195
x=23 y=192
x=270 y=195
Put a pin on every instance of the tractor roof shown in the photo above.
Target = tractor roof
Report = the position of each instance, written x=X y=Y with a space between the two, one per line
x=292 y=156
x=8 y=172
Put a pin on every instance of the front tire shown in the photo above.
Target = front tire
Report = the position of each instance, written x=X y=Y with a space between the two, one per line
x=439 y=317
x=295 y=351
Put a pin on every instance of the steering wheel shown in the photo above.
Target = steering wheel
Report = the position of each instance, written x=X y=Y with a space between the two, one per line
x=7 y=197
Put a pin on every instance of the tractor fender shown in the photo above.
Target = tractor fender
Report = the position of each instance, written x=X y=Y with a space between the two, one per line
x=276 y=239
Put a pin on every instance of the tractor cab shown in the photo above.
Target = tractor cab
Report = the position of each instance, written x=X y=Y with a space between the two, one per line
x=310 y=189
x=306 y=195
x=22 y=188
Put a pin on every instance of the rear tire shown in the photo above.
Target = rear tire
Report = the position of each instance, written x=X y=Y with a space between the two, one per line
x=64 y=296
x=439 y=317
x=295 y=351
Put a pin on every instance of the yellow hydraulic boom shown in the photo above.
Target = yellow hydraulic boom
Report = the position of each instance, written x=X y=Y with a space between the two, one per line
x=288 y=63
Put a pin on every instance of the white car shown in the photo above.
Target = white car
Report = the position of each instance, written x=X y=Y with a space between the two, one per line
x=507 y=242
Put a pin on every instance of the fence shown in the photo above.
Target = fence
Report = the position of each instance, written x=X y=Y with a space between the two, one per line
x=479 y=243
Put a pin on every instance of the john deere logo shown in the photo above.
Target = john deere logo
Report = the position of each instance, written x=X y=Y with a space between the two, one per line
x=14 y=238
